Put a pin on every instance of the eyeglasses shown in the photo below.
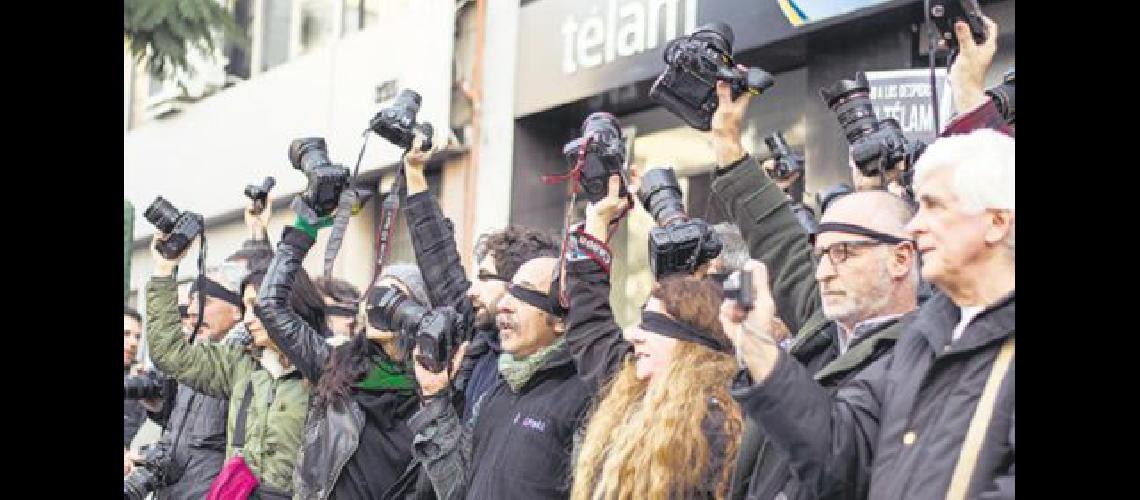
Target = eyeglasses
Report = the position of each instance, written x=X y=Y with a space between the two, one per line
x=839 y=252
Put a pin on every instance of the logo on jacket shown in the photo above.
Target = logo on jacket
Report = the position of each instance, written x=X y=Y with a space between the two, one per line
x=531 y=423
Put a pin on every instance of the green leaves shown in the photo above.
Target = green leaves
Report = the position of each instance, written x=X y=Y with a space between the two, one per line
x=161 y=31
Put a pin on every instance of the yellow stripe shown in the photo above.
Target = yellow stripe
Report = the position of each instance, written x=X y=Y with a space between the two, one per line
x=790 y=13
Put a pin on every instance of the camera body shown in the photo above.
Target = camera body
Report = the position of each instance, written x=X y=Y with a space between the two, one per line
x=435 y=331
x=678 y=244
x=326 y=180
x=258 y=193
x=1002 y=95
x=695 y=62
x=150 y=473
x=602 y=148
x=738 y=286
x=180 y=227
x=876 y=146
x=787 y=162
x=149 y=385
x=397 y=123
x=944 y=13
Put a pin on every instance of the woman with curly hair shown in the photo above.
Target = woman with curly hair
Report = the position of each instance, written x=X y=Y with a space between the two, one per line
x=664 y=424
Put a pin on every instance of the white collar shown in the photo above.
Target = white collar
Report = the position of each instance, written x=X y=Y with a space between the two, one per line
x=271 y=361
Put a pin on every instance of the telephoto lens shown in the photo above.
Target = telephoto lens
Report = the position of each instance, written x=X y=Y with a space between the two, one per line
x=660 y=194
x=850 y=101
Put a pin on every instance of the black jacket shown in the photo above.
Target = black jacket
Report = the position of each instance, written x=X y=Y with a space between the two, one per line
x=433 y=238
x=134 y=415
x=330 y=460
x=895 y=431
x=195 y=439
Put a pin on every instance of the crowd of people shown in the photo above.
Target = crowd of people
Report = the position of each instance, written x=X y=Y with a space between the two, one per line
x=837 y=379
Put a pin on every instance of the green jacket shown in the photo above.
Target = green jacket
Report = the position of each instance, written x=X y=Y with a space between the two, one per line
x=276 y=417
x=775 y=237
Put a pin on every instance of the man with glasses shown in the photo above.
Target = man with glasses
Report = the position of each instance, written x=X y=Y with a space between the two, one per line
x=845 y=302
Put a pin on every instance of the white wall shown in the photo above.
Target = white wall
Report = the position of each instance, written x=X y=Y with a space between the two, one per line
x=201 y=158
x=496 y=141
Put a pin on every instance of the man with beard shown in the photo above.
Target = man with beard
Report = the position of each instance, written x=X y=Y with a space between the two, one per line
x=499 y=255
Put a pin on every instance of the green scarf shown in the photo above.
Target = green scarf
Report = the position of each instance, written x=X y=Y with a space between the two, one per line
x=385 y=376
x=518 y=371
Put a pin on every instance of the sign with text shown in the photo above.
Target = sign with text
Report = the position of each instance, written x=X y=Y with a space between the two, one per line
x=570 y=49
x=905 y=96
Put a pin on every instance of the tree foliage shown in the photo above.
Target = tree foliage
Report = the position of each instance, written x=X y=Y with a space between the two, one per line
x=160 y=32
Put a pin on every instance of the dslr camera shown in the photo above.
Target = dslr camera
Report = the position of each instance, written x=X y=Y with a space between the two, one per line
x=678 y=244
x=876 y=145
x=150 y=473
x=397 y=123
x=149 y=385
x=180 y=227
x=326 y=180
x=787 y=162
x=695 y=62
x=437 y=332
x=601 y=148
x=259 y=193
x=1002 y=95
x=738 y=286
x=944 y=13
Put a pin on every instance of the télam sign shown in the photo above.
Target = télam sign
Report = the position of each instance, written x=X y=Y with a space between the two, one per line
x=570 y=49
x=905 y=96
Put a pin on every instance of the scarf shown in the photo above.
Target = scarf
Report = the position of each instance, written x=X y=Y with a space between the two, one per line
x=518 y=371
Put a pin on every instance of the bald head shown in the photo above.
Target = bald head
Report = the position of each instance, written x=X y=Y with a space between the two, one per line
x=878 y=210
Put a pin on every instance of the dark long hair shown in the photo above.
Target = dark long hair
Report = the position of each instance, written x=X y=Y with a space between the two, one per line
x=305 y=300
x=352 y=361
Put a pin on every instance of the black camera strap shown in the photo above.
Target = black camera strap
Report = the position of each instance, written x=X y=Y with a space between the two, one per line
x=932 y=34
x=201 y=284
x=347 y=200
x=389 y=209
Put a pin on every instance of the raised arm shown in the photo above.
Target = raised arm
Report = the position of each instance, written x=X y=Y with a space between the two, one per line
x=764 y=214
x=207 y=367
x=592 y=334
x=303 y=345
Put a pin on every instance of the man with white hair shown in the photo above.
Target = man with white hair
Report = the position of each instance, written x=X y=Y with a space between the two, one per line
x=935 y=417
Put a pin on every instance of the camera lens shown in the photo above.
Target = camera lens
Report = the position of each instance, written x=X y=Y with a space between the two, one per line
x=409 y=100
x=850 y=101
x=660 y=194
x=718 y=34
x=142 y=387
x=601 y=124
x=390 y=310
x=308 y=153
x=162 y=215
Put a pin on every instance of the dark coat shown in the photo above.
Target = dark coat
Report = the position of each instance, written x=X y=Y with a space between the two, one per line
x=896 y=430
x=334 y=431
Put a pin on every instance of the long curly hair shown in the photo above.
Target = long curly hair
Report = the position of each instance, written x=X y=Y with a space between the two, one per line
x=646 y=439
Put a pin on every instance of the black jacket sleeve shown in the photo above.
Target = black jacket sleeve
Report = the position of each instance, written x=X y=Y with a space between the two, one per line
x=592 y=335
x=433 y=238
x=829 y=440
x=302 y=344
x=775 y=237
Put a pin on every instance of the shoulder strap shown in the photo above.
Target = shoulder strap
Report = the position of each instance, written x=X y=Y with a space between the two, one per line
x=239 y=423
x=976 y=433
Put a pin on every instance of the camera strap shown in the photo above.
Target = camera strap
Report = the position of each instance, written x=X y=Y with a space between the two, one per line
x=201 y=280
x=389 y=208
x=575 y=175
x=348 y=199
